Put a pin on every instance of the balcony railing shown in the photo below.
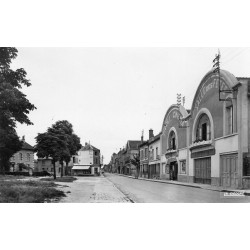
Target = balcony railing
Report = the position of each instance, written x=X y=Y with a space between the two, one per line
x=200 y=143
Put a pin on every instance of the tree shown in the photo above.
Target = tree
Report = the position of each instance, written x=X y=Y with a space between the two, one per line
x=9 y=144
x=14 y=106
x=65 y=129
x=136 y=162
x=59 y=143
x=50 y=145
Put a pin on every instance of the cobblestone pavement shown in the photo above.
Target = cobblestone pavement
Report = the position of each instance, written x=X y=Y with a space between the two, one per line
x=156 y=192
x=92 y=190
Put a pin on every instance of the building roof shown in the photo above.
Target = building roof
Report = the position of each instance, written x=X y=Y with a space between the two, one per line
x=133 y=144
x=155 y=138
x=88 y=147
x=143 y=143
x=27 y=146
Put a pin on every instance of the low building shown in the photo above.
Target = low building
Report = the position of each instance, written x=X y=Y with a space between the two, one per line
x=154 y=162
x=45 y=164
x=87 y=161
x=23 y=160
x=131 y=150
x=144 y=158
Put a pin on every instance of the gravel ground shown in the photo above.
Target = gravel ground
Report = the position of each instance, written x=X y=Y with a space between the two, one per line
x=93 y=190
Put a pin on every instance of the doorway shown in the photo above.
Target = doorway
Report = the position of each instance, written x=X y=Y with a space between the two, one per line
x=173 y=171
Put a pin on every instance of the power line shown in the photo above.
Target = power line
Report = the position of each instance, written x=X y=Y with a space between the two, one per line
x=237 y=54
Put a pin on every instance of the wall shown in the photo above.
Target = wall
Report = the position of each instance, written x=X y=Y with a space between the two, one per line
x=17 y=159
x=171 y=119
x=85 y=157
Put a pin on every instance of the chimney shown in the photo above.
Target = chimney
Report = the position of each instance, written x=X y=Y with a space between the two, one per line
x=142 y=139
x=23 y=138
x=151 y=133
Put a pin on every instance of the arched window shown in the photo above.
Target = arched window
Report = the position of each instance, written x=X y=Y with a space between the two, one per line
x=203 y=129
x=172 y=140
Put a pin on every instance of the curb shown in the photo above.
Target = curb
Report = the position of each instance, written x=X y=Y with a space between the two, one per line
x=187 y=185
x=126 y=196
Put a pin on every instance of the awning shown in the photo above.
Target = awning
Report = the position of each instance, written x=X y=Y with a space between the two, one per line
x=80 y=167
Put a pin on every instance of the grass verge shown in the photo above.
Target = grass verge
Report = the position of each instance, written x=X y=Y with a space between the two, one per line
x=14 y=190
x=60 y=179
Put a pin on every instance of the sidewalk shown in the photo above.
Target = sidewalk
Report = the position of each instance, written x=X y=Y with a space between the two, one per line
x=194 y=185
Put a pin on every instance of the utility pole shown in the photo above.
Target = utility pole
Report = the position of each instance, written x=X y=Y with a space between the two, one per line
x=178 y=99
x=216 y=67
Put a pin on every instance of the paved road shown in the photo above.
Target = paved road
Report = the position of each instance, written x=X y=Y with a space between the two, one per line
x=92 y=190
x=147 y=191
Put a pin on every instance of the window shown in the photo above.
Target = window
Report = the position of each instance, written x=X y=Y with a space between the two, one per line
x=229 y=117
x=146 y=153
x=43 y=162
x=28 y=157
x=141 y=156
x=156 y=151
x=203 y=130
x=172 y=141
x=183 y=167
x=152 y=154
x=20 y=156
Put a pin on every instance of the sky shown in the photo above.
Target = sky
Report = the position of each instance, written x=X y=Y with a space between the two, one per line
x=112 y=94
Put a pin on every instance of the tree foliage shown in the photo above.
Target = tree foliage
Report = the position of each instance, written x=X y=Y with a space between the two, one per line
x=59 y=142
x=14 y=106
x=136 y=162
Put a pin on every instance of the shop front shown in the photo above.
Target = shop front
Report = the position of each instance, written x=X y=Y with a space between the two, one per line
x=174 y=144
x=210 y=143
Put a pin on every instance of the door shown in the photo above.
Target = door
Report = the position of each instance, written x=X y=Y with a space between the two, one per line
x=202 y=170
x=229 y=170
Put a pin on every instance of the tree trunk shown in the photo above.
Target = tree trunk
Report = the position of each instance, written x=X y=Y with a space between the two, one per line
x=66 y=168
x=2 y=167
x=4 y=163
x=138 y=172
x=54 y=166
x=61 y=169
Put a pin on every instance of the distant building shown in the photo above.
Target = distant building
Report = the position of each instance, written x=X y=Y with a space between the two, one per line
x=45 y=164
x=87 y=161
x=23 y=160
x=154 y=149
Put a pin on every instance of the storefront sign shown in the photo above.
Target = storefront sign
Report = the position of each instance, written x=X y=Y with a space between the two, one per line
x=207 y=87
x=203 y=153
x=172 y=115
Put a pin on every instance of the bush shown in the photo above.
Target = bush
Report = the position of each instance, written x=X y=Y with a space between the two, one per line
x=17 y=173
x=42 y=173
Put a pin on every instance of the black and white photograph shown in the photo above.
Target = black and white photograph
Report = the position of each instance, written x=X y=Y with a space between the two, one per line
x=124 y=124
x=120 y=124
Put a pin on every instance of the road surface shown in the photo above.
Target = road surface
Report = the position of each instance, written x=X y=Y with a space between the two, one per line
x=155 y=192
x=114 y=188
x=92 y=190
